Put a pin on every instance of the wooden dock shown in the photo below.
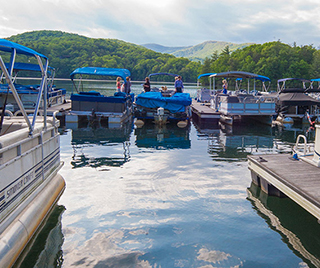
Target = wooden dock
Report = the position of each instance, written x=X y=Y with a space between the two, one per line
x=282 y=175
x=203 y=111
x=61 y=111
x=60 y=108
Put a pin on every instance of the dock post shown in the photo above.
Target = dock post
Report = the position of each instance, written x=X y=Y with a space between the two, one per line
x=255 y=178
x=270 y=189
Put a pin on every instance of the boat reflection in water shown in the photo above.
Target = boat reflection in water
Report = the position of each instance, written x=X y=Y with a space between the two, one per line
x=90 y=146
x=163 y=137
x=205 y=126
x=291 y=134
x=246 y=140
x=298 y=229
x=46 y=248
x=236 y=142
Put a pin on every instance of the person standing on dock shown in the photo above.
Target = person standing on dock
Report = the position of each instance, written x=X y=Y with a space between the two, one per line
x=127 y=86
x=178 y=84
x=146 y=85
x=118 y=84
x=224 y=86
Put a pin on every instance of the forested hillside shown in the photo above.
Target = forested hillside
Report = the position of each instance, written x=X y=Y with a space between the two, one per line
x=275 y=60
x=67 y=52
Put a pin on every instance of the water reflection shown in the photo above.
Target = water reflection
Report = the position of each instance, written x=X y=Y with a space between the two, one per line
x=102 y=250
x=92 y=144
x=246 y=140
x=46 y=249
x=299 y=229
x=171 y=205
x=165 y=137
x=290 y=134
x=237 y=142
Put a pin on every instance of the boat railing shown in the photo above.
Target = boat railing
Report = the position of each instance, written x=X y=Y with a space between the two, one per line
x=19 y=141
x=7 y=113
x=303 y=148
x=28 y=111
x=248 y=100
x=55 y=97
x=265 y=98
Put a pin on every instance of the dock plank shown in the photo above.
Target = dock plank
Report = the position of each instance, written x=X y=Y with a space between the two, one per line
x=301 y=180
x=203 y=110
x=63 y=106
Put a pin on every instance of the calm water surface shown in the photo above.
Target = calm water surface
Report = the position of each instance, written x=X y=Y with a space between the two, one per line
x=170 y=197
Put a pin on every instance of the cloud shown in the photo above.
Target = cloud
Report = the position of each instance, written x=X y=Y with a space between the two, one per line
x=168 y=22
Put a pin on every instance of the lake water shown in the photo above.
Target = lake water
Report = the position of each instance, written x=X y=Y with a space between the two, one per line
x=170 y=197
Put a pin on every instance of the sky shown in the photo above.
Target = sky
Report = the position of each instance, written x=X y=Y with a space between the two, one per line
x=169 y=22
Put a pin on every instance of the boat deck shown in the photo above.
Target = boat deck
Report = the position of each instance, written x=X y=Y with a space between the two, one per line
x=296 y=179
x=204 y=111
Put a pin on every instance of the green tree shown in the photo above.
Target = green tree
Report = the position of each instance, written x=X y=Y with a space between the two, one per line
x=67 y=52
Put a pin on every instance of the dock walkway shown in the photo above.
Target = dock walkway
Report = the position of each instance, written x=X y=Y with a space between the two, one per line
x=297 y=179
x=204 y=111
x=63 y=107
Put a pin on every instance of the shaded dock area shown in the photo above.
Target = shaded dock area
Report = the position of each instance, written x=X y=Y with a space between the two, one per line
x=282 y=175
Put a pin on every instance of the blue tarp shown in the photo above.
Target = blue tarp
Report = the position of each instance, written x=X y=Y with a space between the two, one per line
x=123 y=73
x=174 y=104
x=31 y=89
x=8 y=46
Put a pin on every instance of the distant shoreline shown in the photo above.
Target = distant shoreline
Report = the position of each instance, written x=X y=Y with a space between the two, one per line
x=99 y=80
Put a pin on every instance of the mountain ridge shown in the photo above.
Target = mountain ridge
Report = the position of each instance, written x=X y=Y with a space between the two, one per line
x=197 y=52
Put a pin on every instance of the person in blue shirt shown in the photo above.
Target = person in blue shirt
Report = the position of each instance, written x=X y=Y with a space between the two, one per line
x=178 y=84
x=127 y=86
x=225 y=86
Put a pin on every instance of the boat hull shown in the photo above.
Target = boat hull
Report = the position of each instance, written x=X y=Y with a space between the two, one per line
x=29 y=183
x=152 y=114
x=19 y=232
x=92 y=106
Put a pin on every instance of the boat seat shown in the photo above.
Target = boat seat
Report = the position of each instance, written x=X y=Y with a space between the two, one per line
x=232 y=99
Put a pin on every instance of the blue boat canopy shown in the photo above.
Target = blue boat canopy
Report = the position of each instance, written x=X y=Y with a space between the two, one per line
x=20 y=66
x=296 y=79
x=302 y=88
x=8 y=46
x=206 y=74
x=123 y=73
x=239 y=74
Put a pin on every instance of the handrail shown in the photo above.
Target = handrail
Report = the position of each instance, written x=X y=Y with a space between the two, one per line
x=295 y=148
x=8 y=112
x=21 y=142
